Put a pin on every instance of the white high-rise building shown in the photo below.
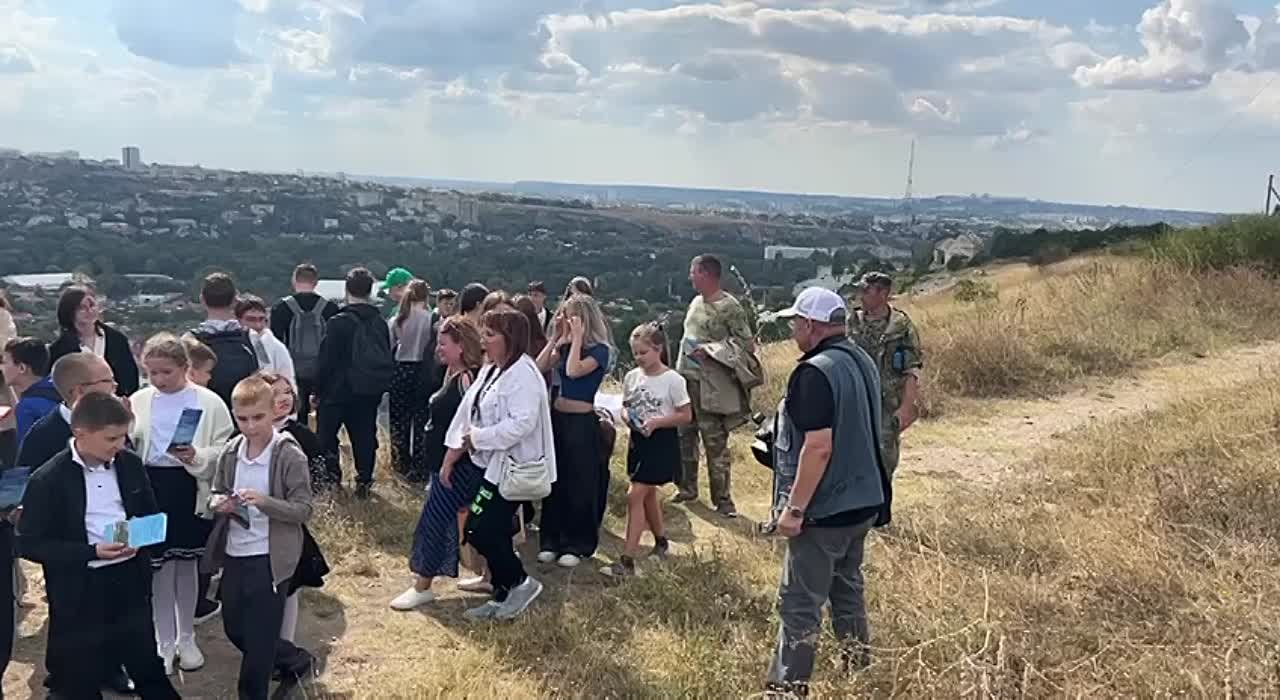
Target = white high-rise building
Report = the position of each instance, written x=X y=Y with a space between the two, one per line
x=131 y=157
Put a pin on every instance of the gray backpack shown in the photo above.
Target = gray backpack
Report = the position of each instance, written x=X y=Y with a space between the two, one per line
x=306 y=331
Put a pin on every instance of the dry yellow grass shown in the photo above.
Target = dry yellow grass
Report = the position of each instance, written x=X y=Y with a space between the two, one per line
x=1099 y=317
x=1137 y=559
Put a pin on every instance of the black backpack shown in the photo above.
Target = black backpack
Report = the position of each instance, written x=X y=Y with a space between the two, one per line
x=306 y=332
x=372 y=363
x=236 y=359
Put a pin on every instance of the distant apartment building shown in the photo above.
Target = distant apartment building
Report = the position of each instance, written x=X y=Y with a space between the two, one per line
x=131 y=157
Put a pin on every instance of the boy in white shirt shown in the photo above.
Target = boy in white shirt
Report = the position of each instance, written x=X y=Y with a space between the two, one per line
x=262 y=490
x=273 y=355
x=99 y=591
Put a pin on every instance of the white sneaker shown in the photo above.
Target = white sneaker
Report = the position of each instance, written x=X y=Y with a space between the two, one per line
x=568 y=561
x=485 y=612
x=475 y=584
x=411 y=599
x=519 y=598
x=546 y=557
x=189 y=656
x=169 y=655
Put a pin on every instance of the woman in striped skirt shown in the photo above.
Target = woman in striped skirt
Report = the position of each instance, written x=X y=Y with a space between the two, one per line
x=436 y=547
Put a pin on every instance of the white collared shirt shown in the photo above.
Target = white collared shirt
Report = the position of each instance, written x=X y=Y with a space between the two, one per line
x=103 y=504
x=252 y=474
x=99 y=344
x=65 y=411
x=166 y=411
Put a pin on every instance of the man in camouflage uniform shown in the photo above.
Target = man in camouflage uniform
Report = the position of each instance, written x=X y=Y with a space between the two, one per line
x=890 y=338
x=713 y=317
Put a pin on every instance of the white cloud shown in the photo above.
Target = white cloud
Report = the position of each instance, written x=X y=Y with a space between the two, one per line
x=1186 y=42
x=15 y=59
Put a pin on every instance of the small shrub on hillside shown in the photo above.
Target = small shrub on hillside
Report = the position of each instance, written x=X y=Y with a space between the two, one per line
x=973 y=291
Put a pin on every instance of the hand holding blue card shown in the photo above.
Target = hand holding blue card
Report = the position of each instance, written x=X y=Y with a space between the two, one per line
x=138 y=532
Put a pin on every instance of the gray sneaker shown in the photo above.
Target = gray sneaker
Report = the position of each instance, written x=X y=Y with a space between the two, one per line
x=485 y=612
x=519 y=598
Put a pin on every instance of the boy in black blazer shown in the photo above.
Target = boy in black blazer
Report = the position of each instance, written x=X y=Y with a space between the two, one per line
x=98 y=591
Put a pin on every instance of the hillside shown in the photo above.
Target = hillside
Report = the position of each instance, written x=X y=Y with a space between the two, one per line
x=1088 y=511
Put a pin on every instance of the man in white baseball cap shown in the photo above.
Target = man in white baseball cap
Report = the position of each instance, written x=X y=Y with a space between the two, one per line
x=830 y=489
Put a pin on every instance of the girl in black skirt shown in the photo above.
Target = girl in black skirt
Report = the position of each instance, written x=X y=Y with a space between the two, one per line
x=655 y=401
x=180 y=475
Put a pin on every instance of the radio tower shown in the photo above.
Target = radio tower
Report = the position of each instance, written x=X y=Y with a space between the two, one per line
x=907 y=199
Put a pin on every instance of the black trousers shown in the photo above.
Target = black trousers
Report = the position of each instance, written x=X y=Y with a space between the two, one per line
x=572 y=514
x=113 y=613
x=306 y=389
x=6 y=600
x=251 y=614
x=407 y=404
x=490 y=527
x=359 y=415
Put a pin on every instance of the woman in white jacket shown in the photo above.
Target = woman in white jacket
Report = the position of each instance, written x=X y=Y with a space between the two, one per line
x=180 y=476
x=504 y=419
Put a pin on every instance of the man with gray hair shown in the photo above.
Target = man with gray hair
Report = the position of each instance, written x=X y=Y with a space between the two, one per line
x=830 y=488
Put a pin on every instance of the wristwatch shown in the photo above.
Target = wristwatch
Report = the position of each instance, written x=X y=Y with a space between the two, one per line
x=795 y=512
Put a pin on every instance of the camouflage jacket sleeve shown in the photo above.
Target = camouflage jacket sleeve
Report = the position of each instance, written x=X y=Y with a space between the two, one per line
x=739 y=325
x=911 y=343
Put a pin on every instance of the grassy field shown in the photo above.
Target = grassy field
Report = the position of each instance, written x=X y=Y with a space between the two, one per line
x=1128 y=557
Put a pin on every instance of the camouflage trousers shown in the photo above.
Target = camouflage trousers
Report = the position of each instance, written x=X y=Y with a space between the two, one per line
x=713 y=428
x=890 y=444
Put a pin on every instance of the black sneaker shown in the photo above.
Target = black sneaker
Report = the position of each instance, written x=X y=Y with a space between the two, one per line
x=727 y=510
x=207 y=610
x=683 y=497
x=362 y=492
x=661 y=548
x=623 y=568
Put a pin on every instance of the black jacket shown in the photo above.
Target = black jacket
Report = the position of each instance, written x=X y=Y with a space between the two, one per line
x=282 y=317
x=44 y=441
x=117 y=354
x=335 y=351
x=51 y=531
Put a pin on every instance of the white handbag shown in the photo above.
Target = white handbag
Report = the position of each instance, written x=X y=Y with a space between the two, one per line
x=524 y=481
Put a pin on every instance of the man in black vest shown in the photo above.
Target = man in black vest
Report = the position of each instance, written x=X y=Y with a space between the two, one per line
x=830 y=489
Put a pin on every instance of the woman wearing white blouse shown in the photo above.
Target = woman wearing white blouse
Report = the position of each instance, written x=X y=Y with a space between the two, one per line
x=505 y=414
x=180 y=475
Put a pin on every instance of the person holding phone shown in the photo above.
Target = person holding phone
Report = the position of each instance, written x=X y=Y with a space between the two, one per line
x=180 y=474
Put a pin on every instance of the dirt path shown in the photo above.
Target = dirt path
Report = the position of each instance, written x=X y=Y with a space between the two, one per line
x=999 y=442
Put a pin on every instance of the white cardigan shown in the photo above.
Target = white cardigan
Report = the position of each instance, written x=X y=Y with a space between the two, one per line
x=211 y=435
x=515 y=420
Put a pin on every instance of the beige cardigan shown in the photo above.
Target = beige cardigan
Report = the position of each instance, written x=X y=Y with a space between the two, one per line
x=212 y=434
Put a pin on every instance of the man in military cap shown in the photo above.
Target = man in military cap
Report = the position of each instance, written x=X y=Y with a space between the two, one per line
x=890 y=338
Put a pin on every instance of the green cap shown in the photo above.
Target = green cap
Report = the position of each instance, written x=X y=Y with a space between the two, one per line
x=397 y=277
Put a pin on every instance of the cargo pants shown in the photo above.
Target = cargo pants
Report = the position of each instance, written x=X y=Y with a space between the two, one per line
x=713 y=428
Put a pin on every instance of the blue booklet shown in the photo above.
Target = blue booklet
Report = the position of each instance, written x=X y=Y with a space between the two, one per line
x=13 y=485
x=138 y=532
x=186 y=430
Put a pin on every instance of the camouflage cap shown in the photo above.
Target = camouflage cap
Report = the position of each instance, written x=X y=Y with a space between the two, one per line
x=876 y=279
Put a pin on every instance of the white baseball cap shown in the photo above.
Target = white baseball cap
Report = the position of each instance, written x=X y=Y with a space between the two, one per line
x=817 y=304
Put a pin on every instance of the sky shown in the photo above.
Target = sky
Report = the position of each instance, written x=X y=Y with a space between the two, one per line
x=1170 y=103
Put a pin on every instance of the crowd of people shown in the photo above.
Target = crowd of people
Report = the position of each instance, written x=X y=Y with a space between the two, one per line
x=493 y=409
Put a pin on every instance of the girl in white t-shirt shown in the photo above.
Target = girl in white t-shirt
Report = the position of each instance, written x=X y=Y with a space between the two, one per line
x=655 y=401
